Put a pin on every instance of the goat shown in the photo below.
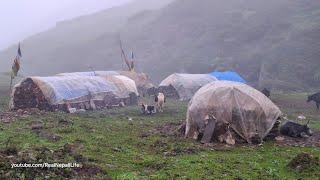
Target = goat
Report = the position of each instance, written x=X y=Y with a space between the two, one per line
x=301 y=118
x=294 y=129
x=146 y=109
x=266 y=92
x=316 y=98
x=160 y=99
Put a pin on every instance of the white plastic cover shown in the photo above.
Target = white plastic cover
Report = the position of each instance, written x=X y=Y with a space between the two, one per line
x=187 y=84
x=249 y=112
x=141 y=79
x=75 y=89
x=90 y=73
x=125 y=85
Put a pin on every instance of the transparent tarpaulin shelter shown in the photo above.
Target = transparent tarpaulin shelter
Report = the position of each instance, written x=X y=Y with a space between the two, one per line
x=249 y=113
x=58 y=90
x=142 y=80
x=125 y=85
x=50 y=93
x=90 y=73
x=187 y=84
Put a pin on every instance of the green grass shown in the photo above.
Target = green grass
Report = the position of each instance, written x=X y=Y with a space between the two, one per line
x=118 y=146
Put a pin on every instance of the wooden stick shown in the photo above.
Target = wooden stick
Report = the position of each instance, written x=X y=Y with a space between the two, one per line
x=11 y=81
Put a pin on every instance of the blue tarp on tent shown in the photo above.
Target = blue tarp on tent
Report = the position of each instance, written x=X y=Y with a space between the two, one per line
x=228 y=76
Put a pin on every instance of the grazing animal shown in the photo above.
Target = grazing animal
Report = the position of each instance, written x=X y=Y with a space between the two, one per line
x=160 y=99
x=146 y=109
x=301 y=118
x=266 y=92
x=295 y=130
x=316 y=98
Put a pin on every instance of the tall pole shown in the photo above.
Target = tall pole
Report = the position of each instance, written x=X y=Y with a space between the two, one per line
x=261 y=75
x=11 y=81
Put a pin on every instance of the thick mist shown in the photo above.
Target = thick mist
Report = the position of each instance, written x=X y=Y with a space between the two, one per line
x=22 y=18
x=273 y=44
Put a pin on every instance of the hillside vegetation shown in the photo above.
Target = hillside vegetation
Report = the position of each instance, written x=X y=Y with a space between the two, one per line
x=110 y=146
x=271 y=43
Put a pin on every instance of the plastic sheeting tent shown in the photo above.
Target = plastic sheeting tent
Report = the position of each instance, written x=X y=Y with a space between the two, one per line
x=90 y=73
x=74 y=89
x=249 y=113
x=125 y=85
x=51 y=92
x=142 y=80
x=187 y=84
x=228 y=76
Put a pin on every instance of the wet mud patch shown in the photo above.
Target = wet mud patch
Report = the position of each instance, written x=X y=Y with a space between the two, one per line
x=305 y=162
x=9 y=151
x=88 y=170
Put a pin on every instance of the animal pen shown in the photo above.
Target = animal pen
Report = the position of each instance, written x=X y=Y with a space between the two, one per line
x=58 y=92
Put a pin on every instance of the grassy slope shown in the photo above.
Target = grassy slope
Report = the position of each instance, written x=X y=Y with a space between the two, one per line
x=117 y=145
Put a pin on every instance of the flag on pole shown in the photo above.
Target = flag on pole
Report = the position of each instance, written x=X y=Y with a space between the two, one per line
x=19 y=52
x=16 y=63
x=132 y=61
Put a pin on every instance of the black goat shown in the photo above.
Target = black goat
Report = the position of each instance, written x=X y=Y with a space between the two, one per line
x=294 y=129
x=316 y=98
x=266 y=92
x=146 y=109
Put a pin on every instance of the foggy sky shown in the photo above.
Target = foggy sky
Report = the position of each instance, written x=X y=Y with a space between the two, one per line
x=22 y=18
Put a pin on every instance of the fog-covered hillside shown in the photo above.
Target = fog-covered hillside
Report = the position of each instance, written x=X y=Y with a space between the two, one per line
x=273 y=43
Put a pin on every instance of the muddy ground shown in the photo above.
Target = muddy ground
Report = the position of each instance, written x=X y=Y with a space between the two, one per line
x=177 y=130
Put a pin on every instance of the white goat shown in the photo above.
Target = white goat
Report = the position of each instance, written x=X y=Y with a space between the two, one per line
x=160 y=99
